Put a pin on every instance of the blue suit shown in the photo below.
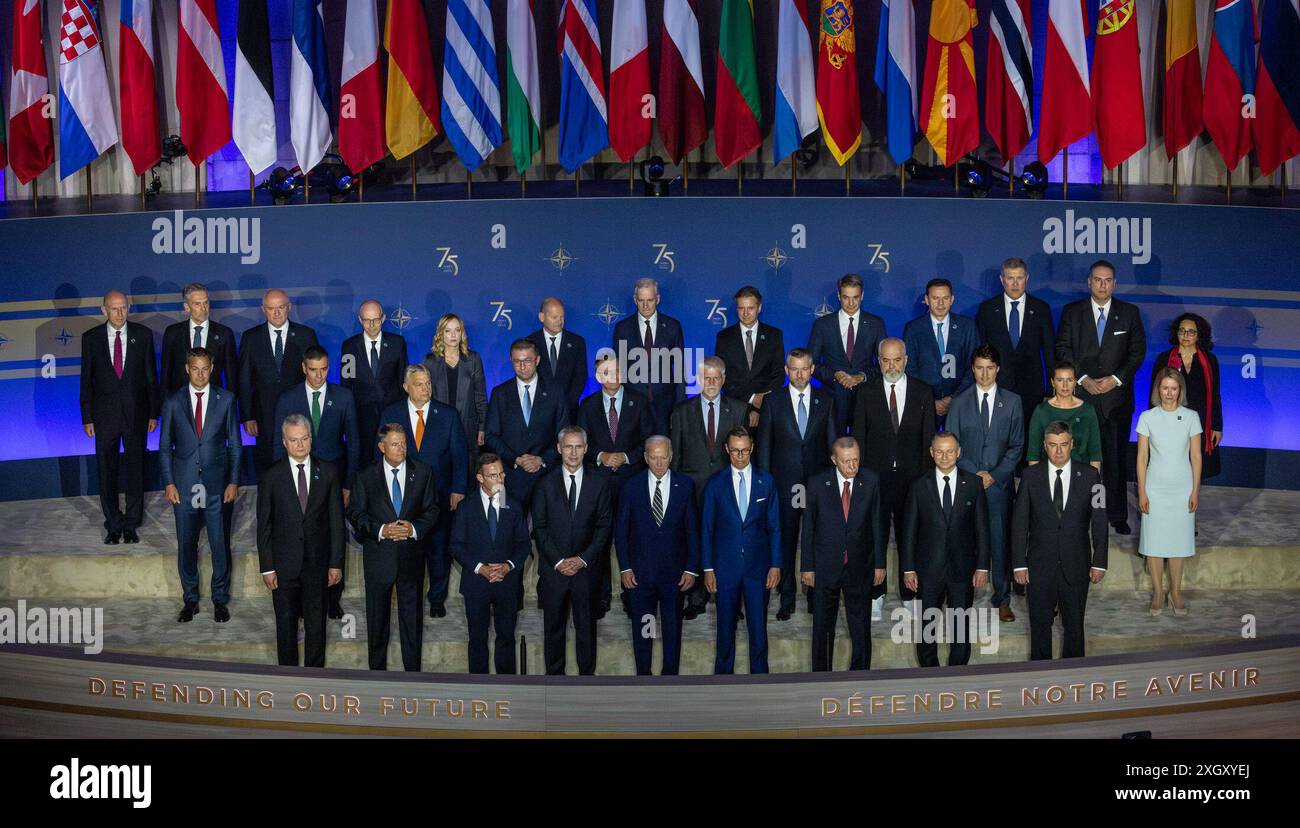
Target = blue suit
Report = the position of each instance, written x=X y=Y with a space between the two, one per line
x=997 y=449
x=443 y=448
x=509 y=436
x=961 y=338
x=472 y=543
x=827 y=349
x=740 y=553
x=337 y=438
x=200 y=468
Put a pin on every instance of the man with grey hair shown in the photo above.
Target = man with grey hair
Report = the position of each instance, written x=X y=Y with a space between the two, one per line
x=197 y=330
x=270 y=360
x=651 y=351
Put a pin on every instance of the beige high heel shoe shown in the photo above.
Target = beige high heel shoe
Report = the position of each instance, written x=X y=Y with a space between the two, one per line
x=1155 y=611
x=1179 y=611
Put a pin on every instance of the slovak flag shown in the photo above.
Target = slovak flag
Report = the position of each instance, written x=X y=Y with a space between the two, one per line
x=87 y=126
x=1229 y=78
x=135 y=77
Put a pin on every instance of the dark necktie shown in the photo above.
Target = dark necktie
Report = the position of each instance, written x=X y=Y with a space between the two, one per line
x=302 y=488
x=1058 y=494
x=492 y=518
x=749 y=348
x=848 y=343
x=947 y=498
x=117 y=355
x=573 y=494
x=1013 y=324
x=845 y=499
x=279 y=351
x=649 y=338
x=198 y=336
x=984 y=410
x=713 y=428
x=658 y=504
x=374 y=359
x=613 y=420
x=198 y=414
x=555 y=359
x=893 y=407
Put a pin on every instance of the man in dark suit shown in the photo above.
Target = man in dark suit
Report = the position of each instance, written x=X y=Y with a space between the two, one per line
x=650 y=344
x=842 y=344
x=198 y=330
x=371 y=367
x=269 y=358
x=1054 y=520
x=300 y=541
x=435 y=437
x=843 y=552
x=740 y=546
x=563 y=354
x=198 y=460
x=119 y=405
x=524 y=417
x=658 y=554
x=796 y=429
x=699 y=427
x=754 y=353
x=489 y=537
x=572 y=520
x=1020 y=327
x=893 y=422
x=944 y=552
x=940 y=345
x=617 y=420
x=1104 y=338
x=987 y=419
x=394 y=506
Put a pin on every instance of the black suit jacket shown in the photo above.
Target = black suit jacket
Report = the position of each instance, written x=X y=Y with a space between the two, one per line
x=562 y=534
x=472 y=544
x=125 y=404
x=374 y=392
x=1041 y=541
x=767 y=373
x=668 y=335
x=371 y=507
x=570 y=374
x=635 y=424
x=218 y=340
x=691 y=455
x=506 y=434
x=780 y=450
x=260 y=384
x=906 y=451
x=827 y=535
x=1123 y=347
x=286 y=535
x=941 y=549
x=1027 y=368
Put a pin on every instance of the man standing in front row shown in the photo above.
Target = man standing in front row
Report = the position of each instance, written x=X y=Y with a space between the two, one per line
x=1054 y=520
x=300 y=541
x=198 y=459
x=740 y=541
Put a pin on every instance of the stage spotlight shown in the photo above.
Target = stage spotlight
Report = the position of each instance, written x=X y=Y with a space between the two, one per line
x=1033 y=180
x=173 y=147
x=809 y=152
x=335 y=175
x=978 y=178
x=652 y=173
x=282 y=183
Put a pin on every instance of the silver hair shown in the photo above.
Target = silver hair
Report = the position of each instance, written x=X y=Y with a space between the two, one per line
x=414 y=368
x=890 y=339
x=714 y=362
x=297 y=420
x=571 y=429
x=192 y=287
x=658 y=438
x=646 y=282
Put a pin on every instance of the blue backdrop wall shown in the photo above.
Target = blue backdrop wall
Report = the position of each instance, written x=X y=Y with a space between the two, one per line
x=494 y=261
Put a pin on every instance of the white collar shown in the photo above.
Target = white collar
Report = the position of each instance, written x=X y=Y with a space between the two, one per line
x=283 y=328
x=952 y=478
x=1105 y=307
x=841 y=480
x=388 y=470
x=744 y=328
x=936 y=321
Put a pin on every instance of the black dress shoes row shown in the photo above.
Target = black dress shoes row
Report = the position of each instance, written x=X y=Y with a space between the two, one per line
x=435 y=611
x=1121 y=527
x=692 y=611
x=220 y=613
x=129 y=536
x=112 y=538
x=187 y=613
x=784 y=613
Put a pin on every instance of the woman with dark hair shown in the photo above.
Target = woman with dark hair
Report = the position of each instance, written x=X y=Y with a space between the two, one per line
x=1192 y=354
x=457 y=376
x=1067 y=408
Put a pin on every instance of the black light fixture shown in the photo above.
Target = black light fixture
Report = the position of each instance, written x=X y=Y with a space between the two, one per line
x=282 y=183
x=978 y=178
x=809 y=152
x=1033 y=179
x=652 y=174
x=173 y=147
x=335 y=176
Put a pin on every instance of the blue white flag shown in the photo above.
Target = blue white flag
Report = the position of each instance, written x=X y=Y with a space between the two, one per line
x=309 y=86
x=471 y=88
x=896 y=75
x=87 y=126
x=794 y=116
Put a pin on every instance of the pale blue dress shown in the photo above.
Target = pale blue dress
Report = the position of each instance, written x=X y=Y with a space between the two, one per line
x=1169 y=530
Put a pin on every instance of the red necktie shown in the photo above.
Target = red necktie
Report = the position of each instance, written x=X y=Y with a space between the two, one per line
x=117 y=355
x=198 y=414
x=848 y=345
x=845 y=499
x=713 y=430
x=893 y=408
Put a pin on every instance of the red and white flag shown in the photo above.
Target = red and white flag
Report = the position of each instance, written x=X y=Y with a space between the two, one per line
x=136 y=84
x=681 y=117
x=1067 y=101
x=31 y=133
x=629 y=79
x=201 y=80
x=361 y=96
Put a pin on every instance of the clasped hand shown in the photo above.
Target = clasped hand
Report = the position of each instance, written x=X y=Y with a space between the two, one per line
x=398 y=530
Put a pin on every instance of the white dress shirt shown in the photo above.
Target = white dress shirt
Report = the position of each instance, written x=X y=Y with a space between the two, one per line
x=1006 y=309
x=794 y=402
x=204 y=336
x=952 y=483
x=112 y=336
x=558 y=339
x=754 y=337
x=843 y=319
x=935 y=322
x=1096 y=309
x=640 y=329
x=293 y=467
x=388 y=487
x=992 y=391
x=576 y=481
x=1066 y=472
x=900 y=394
x=322 y=388
x=747 y=474
x=206 y=391
x=485 y=502
x=604 y=408
x=284 y=335
x=414 y=420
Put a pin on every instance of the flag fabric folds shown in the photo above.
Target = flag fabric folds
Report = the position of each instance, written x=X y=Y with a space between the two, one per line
x=838 y=107
x=950 y=100
x=471 y=88
x=361 y=102
x=309 y=86
x=411 y=117
x=1066 y=114
x=253 y=121
x=794 y=115
x=896 y=75
x=1229 y=78
x=1182 y=99
x=584 y=120
x=87 y=126
x=629 y=79
x=141 y=139
x=1118 y=112
x=31 y=136
x=201 y=80
x=737 y=110
x=1009 y=90
x=1277 y=85
x=523 y=98
x=681 y=118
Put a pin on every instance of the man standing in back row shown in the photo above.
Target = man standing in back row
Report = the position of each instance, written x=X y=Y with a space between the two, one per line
x=270 y=360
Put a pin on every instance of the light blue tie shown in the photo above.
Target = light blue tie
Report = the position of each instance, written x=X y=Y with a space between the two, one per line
x=397 y=494
x=1101 y=325
x=198 y=336
x=528 y=406
x=943 y=347
x=744 y=498
x=803 y=417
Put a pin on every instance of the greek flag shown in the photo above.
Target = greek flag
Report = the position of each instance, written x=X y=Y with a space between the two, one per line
x=471 y=89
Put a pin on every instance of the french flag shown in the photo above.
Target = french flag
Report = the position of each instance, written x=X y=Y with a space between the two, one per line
x=135 y=77
x=361 y=97
x=1229 y=78
x=629 y=79
x=87 y=127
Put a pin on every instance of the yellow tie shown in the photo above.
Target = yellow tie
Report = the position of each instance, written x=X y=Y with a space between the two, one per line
x=419 y=429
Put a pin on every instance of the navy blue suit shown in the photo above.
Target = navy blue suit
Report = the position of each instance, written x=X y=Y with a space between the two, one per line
x=373 y=391
x=740 y=553
x=472 y=543
x=667 y=337
x=569 y=373
x=443 y=449
x=961 y=338
x=509 y=436
x=262 y=380
x=337 y=438
x=827 y=349
x=658 y=555
x=200 y=466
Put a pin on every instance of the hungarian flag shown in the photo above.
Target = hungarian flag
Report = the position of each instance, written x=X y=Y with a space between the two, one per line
x=201 y=80
x=1117 y=84
x=31 y=135
x=1182 y=115
x=949 y=99
x=1009 y=93
x=1277 y=120
x=629 y=79
x=136 y=85
x=838 y=106
x=1230 y=79
x=737 y=111
x=361 y=101
x=411 y=119
x=681 y=118
x=523 y=100
x=1067 y=103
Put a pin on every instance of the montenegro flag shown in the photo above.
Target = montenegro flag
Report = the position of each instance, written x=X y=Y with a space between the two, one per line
x=838 y=105
x=411 y=117
x=949 y=99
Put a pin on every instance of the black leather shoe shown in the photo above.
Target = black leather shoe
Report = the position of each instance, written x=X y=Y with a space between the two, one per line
x=336 y=610
x=187 y=613
x=220 y=614
x=784 y=613
x=1121 y=527
x=1017 y=589
x=437 y=611
x=129 y=536
x=112 y=538
x=692 y=611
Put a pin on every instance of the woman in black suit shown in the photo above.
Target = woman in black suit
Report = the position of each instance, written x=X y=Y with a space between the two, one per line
x=457 y=375
x=1193 y=354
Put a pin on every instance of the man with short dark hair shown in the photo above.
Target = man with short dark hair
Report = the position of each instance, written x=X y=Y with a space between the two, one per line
x=753 y=352
x=524 y=417
x=940 y=345
x=842 y=345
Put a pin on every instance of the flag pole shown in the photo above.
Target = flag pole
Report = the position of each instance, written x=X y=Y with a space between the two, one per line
x=361 y=186
x=523 y=185
x=900 y=180
x=740 y=177
x=686 y=176
x=1119 y=180
x=1229 y=186
x=794 y=176
x=1011 y=176
x=36 y=179
x=142 y=200
x=1175 y=176
x=847 y=191
x=197 y=173
x=577 y=181
x=412 y=176
x=89 y=196
x=956 y=185
x=250 y=188
x=469 y=184
x=1065 y=173
x=631 y=162
x=1282 y=172
x=306 y=187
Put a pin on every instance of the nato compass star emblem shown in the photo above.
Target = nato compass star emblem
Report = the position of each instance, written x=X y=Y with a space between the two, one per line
x=64 y=337
x=561 y=258
x=1254 y=327
x=401 y=319
x=608 y=314
x=2 y=340
x=824 y=309
x=776 y=258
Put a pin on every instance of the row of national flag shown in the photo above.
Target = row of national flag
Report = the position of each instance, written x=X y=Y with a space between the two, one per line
x=1250 y=99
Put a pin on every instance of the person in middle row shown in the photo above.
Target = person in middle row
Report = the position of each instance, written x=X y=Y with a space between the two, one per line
x=457 y=376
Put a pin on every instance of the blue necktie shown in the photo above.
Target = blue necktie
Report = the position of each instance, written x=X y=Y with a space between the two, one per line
x=492 y=518
x=198 y=336
x=528 y=405
x=803 y=417
x=943 y=348
x=1101 y=326
x=397 y=494
x=744 y=499
x=1013 y=324
x=279 y=351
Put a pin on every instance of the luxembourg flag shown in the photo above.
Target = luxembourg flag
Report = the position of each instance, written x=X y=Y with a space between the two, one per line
x=584 y=123
x=135 y=77
x=87 y=126
x=309 y=86
x=471 y=88
x=896 y=75
x=794 y=115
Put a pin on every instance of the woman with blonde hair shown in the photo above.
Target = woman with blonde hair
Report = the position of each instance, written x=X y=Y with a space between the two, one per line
x=457 y=376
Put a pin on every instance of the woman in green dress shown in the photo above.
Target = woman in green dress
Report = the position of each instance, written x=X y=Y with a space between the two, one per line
x=1067 y=408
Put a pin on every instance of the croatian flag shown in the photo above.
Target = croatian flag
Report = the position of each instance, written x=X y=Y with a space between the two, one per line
x=135 y=77
x=471 y=88
x=584 y=122
x=794 y=115
x=309 y=86
x=87 y=126
x=896 y=75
